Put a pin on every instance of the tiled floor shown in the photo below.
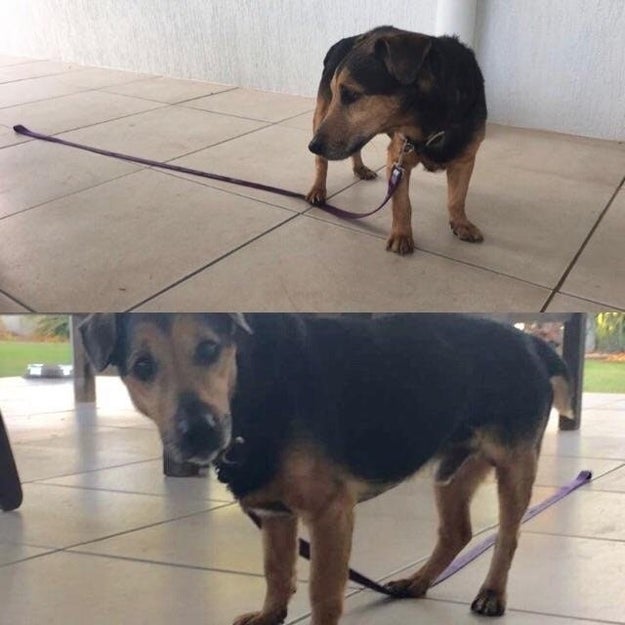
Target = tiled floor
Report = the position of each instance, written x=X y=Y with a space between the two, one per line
x=83 y=232
x=102 y=537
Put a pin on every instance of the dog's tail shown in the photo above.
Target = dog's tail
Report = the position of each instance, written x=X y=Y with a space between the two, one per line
x=559 y=377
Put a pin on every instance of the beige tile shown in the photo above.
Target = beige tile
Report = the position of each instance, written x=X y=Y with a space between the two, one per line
x=271 y=107
x=8 y=137
x=70 y=588
x=599 y=274
x=566 y=303
x=533 y=224
x=147 y=478
x=584 y=444
x=304 y=121
x=276 y=156
x=57 y=516
x=560 y=470
x=123 y=241
x=576 y=578
x=6 y=60
x=34 y=69
x=72 y=111
x=368 y=608
x=168 y=90
x=8 y=305
x=614 y=481
x=99 y=77
x=10 y=552
x=310 y=265
x=37 y=172
x=584 y=513
x=164 y=133
x=22 y=91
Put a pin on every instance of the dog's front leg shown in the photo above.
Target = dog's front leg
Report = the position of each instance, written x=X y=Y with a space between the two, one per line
x=331 y=539
x=400 y=240
x=280 y=552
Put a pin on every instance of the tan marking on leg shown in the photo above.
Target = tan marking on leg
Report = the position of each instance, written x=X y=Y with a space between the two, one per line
x=452 y=500
x=458 y=178
x=280 y=553
x=360 y=169
x=318 y=192
x=515 y=478
x=400 y=240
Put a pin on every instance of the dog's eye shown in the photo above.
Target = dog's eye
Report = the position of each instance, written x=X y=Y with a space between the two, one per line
x=348 y=96
x=206 y=352
x=144 y=368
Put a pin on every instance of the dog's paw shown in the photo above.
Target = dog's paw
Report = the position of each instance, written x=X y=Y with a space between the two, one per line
x=413 y=587
x=489 y=603
x=317 y=195
x=466 y=231
x=364 y=173
x=261 y=618
x=400 y=244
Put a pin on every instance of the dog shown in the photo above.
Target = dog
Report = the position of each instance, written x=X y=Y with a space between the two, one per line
x=304 y=416
x=426 y=93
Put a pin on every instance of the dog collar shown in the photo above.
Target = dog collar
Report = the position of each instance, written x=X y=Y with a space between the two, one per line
x=417 y=146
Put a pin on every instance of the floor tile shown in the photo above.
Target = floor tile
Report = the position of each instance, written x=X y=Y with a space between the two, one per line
x=164 y=133
x=6 y=60
x=271 y=107
x=8 y=305
x=571 y=577
x=71 y=589
x=147 y=478
x=57 y=516
x=10 y=552
x=599 y=274
x=181 y=226
x=560 y=470
x=9 y=137
x=614 y=481
x=99 y=77
x=168 y=90
x=37 y=172
x=275 y=156
x=73 y=111
x=368 y=608
x=313 y=266
x=22 y=91
x=587 y=445
x=585 y=513
x=508 y=204
x=566 y=303
x=34 y=69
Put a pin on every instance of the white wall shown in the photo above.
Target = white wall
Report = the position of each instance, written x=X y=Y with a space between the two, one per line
x=553 y=64
x=277 y=45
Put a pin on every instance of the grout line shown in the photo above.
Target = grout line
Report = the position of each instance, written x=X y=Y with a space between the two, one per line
x=110 y=89
x=51 y=550
x=576 y=536
x=212 y=262
x=14 y=299
x=583 y=246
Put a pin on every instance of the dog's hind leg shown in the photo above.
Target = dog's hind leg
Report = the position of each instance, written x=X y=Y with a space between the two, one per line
x=452 y=499
x=360 y=169
x=280 y=553
x=515 y=472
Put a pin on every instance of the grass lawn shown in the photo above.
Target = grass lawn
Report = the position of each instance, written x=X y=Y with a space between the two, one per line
x=604 y=377
x=15 y=355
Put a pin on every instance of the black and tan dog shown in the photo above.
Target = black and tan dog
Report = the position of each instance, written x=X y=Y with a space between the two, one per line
x=333 y=411
x=428 y=91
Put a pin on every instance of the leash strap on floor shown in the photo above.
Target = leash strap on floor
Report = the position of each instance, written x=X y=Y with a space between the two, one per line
x=459 y=563
x=394 y=180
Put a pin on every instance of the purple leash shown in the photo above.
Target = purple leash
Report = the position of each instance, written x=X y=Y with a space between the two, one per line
x=393 y=183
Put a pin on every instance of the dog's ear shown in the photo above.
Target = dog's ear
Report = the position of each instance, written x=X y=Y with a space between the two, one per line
x=99 y=336
x=403 y=55
x=240 y=322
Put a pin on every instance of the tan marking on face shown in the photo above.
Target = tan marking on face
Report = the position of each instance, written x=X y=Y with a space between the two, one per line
x=174 y=352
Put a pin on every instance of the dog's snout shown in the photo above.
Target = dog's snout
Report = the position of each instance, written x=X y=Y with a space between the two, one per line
x=199 y=433
x=317 y=145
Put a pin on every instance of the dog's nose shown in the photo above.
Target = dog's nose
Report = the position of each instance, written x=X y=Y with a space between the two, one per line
x=199 y=434
x=316 y=146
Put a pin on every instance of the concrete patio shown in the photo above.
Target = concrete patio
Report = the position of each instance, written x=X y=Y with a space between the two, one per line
x=83 y=232
x=102 y=537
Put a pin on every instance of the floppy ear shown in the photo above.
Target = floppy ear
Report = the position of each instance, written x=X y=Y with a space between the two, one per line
x=403 y=55
x=99 y=336
x=240 y=322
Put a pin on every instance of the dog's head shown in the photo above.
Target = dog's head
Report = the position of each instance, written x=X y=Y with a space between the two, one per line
x=180 y=371
x=371 y=90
